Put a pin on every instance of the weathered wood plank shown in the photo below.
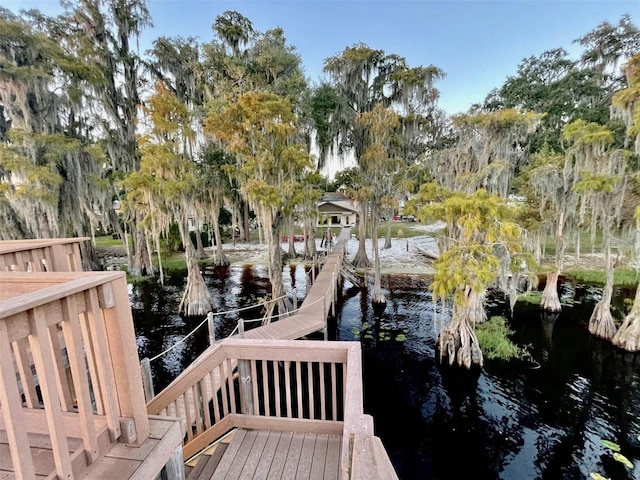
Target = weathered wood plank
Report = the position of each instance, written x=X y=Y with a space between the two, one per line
x=332 y=462
x=209 y=464
x=229 y=456
x=306 y=456
x=240 y=459
x=280 y=456
x=370 y=460
x=254 y=456
x=319 y=459
x=268 y=454
x=293 y=456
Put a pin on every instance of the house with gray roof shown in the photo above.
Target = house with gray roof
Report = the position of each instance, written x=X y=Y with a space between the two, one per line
x=336 y=210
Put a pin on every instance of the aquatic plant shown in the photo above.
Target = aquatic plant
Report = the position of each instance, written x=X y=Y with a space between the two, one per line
x=493 y=337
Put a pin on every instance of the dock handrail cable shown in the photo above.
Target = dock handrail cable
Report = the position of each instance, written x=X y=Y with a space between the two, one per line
x=215 y=314
x=188 y=335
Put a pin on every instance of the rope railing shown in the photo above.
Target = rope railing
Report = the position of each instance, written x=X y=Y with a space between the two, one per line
x=285 y=314
x=192 y=332
x=215 y=314
x=239 y=328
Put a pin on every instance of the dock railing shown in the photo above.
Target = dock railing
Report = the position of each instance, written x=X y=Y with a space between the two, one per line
x=83 y=320
x=43 y=255
x=285 y=385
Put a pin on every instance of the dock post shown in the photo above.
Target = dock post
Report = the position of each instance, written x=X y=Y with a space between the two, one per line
x=295 y=299
x=147 y=379
x=324 y=315
x=246 y=392
x=241 y=328
x=212 y=329
x=333 y=296
x=313 y=270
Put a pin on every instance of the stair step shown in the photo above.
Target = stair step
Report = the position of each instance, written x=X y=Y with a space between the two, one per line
x=207 y=464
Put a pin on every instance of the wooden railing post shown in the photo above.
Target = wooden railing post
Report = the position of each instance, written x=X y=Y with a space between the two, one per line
x=246 y=390
x=114 y=301
x=241 y=328
x=333 y=295
x=313 y=270
x=59 y=259
x=147 y=379
x=212 y=329
x=324 y=315
x=12 y=411
x=44 y=360
x=174 y=469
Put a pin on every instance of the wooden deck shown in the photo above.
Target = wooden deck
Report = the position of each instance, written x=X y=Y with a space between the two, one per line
x=296 y=406
x=311 y=317
x=71 y=397
x=312 y=314
x=44 y=255
x=273 y=455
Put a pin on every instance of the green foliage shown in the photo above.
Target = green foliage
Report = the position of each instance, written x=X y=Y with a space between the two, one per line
x=621 y=277
x=534 y=297
x=583 y=133
x=592 y=182
x=618 y=457
x=493 y=337
x=384 y=334
x=108 y=241
x=480 y=234
x=610 y=445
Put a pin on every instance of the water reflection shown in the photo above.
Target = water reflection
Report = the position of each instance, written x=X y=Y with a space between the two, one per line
x=542 y=417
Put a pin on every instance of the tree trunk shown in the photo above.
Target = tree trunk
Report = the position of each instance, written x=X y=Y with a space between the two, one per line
x=550 y=301
x=458 y=343
x=199 y=246
x=309 y=239
x=196 y=300
x=156 y=242
x=601 y=323
x=140 y=264
x=559 y=239
x=245 y=222
x=361 y=260
x=219 y=258
x=272 y=232
x=387 y=238
x=537 y=249
x=628 y=335
x=378 y=297
x=292 y=247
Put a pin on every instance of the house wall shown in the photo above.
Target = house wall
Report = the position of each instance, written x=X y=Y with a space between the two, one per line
x=337 y=219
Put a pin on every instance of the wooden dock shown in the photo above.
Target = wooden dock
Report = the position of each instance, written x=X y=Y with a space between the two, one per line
x=273 y=455
x=295 y=406
x=312 y=314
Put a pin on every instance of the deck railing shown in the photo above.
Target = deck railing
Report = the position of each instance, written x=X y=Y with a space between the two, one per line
x=45 y=255
x=286 y=385
x=68 y=366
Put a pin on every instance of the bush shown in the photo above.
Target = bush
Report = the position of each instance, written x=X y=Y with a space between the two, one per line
x=493 y=336
x=534 y=297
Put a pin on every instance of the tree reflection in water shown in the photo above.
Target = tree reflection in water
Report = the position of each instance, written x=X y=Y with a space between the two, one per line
x=542 y=417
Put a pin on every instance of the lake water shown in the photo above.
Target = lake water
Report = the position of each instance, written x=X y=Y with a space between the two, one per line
x=541 y=417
